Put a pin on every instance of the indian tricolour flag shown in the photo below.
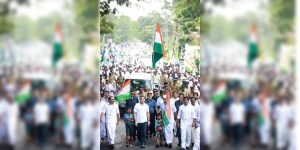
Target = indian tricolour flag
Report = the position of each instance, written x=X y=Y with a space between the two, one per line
x=124 y=93
x=264 y=112
x=158 y=49
x=57 y=46
x=220 y=93
x=166 y=114
x=24 y=93
x=253 y=46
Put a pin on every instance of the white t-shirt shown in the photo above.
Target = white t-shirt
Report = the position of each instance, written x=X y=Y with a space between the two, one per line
x=141 y=111
x=237 y=113
x=41 y=113
x=111 y=111
x=186 y=114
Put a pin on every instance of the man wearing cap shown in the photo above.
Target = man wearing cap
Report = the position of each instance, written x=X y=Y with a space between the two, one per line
x=151 y=103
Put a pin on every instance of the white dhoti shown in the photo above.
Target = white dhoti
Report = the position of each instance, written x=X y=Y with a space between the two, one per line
x=207 y=133
x=102 y=130
x=12 y=132
x=264 y=132
x=86 y=136
x=282 y=136
x=169 y=133
x=197 y=139
x=293 y=139
x=96 y=139
x=186 y=135
x=111 y=132
x=193 y=135
x=69 y=132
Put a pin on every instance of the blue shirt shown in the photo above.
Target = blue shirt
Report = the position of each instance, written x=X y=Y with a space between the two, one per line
x=151 y=103
x=129 y=119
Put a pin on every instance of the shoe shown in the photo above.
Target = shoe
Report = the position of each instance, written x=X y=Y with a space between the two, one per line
x=170 y=146
x=157 y=146
x=179 y=145
x=127 y=145
x=130 y=145
x=187 y=148
x=143 y=146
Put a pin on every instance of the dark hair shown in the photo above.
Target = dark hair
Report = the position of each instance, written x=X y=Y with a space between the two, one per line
x=181 y=94
x=186 y=98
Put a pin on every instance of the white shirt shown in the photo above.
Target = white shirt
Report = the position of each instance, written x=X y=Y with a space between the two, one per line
x=186 y=114
x=111 y=112
x=12 y=113
x=173 y=100
x=198 y=114
x=86 y=114
x=141 y=112
x=159 y=101
x=281 y=114
x=3 y=109
x=237 y=113
x=41 y=113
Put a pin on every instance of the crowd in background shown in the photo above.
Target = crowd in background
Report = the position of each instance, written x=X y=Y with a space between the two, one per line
x=258 y=110
x=61 y=110
x=182 y=86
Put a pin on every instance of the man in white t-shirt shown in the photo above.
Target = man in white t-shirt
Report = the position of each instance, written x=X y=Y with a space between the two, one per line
x=237 y=119
x=112 y=117
x=42 y=117
x=142 y=120
x=187 y=118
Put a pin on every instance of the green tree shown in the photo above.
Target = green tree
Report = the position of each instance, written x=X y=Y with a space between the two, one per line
x=6 y=22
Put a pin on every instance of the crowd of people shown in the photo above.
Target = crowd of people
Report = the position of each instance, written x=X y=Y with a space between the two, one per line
x=258 y=111
x=143 y=113
x=61 y=111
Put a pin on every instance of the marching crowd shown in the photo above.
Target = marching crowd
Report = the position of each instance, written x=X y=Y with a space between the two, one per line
x=143 y=113
x=61 y=111
x=259 y=112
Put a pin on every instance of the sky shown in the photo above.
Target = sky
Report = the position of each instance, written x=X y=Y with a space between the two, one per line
x=237 y=8
x=141 y=9
x=40 y=8
x=232 y=9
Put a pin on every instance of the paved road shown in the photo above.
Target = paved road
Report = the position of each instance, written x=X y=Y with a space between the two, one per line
x=120 y=142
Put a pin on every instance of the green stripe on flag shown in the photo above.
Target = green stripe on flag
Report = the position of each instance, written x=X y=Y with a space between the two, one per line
x=123 y=97
x=165 y=118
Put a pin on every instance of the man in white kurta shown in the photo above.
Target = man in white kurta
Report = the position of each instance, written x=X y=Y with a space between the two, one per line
x=186 y=116
x=112 y=116
x=281 y=113
x=170 y=127
x=194 y=105
x=102 y=121
x=12 y=121
x=207 y=116
x=86 y=123
x=197 y=132
x=97 y=114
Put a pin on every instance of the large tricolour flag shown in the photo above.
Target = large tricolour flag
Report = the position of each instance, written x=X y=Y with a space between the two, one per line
x=24 y=93
x=158 y=49
x=220 y=93
x=124 y=93
x=57 y=46
x=253 y=46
